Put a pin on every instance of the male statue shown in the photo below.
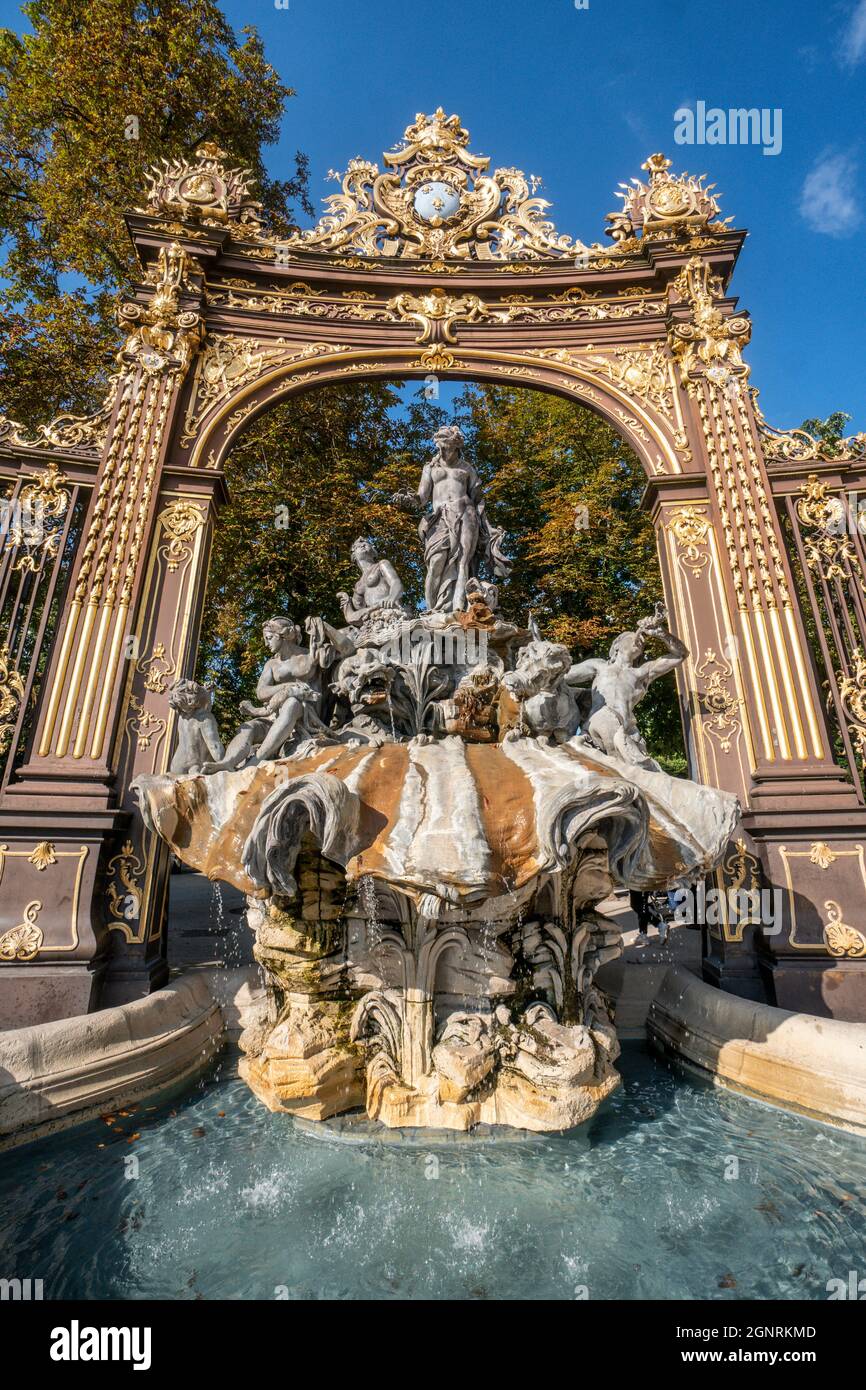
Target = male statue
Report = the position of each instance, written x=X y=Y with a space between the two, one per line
x=620 y=683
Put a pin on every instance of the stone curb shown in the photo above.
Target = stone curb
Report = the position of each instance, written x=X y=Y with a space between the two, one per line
x=799 y=1062
x=55 y=1075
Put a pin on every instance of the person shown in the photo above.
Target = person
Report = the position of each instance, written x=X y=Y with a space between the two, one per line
x=645 y=909
x=289 y=689
x=620 y=683
x=456 y=528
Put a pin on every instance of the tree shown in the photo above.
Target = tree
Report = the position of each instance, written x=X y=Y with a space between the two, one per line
x=89 y=100
x=829 y=431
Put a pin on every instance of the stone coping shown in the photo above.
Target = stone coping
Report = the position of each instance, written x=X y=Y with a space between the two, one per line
x=55 y=1075
x=799 y=1062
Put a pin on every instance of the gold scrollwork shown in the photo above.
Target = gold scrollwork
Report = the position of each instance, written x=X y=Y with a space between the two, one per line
x=436 y=200
x=828 y=548
x=690 y=526
x=180 y=521
x=23 y=943
x=11 y=695
x=710 y=343
x=852 y=693
x=437 y=312
x=719 y=700
x=840 y=938
x=640 y=372
x=124 y=888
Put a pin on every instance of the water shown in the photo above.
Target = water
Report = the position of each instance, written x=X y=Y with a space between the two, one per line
x=234 y=1202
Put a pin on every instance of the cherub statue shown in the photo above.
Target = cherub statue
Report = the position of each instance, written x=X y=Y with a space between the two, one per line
x=378 y=587
x=620 y=683
x=289 y=689
x=198 y=739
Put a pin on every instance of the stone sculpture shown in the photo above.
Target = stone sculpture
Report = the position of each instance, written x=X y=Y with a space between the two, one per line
x=456 y=531
x=289 y=689
x=423 y=873
x=618 y=684
x=379 y=586
x=198 y=739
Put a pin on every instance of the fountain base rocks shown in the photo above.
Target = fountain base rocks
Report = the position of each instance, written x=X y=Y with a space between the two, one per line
x=424 y=811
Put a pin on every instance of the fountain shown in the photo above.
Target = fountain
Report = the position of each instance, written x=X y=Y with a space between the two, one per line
x=424 y=810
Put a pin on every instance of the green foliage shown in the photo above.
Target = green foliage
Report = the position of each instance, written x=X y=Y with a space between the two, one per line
x=68 y=172
x=829 y=431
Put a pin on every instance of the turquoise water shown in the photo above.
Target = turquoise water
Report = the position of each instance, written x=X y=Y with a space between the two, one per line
x=230 y=1201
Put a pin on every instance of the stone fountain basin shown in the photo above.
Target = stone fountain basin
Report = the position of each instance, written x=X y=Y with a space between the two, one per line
x=467 y=823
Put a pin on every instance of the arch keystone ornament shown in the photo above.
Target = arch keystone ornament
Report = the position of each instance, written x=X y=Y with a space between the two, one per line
x=428 y=261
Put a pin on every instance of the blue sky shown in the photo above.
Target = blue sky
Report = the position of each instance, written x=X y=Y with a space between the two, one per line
x=582 y=96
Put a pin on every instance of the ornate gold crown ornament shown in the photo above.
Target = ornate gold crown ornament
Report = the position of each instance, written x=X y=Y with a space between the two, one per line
x=666 y=204
x=203 y=188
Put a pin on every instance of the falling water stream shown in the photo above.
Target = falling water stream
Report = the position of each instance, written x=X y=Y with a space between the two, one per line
x=231 y=1201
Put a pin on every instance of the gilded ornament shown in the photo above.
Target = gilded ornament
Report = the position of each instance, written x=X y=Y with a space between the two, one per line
x=666 y=206
x=822 y=855
x=11 y=695
x=718 y=699
x=124 y=887
x=829 y=550
x=710 y=343
x=690 y=526
x=436 y=201
x=840 y=938
x=203 y=189
x=180 y=521
x=23 y=943
x=436 y=313
x=162 y=335
x=43 y=856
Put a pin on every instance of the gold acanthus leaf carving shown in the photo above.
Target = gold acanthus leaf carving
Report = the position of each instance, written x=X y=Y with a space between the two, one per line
x=690 y=527
x=840 y=938
x=23 y=942
x=11 y=695
x=437 y=312
x=124 y=887
x=228 y=363
x=829 y=550
x=74 y=434
x=162 y=336
x=718 y=699
x=180 y=520
x=852 y=693
x=641 y=371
